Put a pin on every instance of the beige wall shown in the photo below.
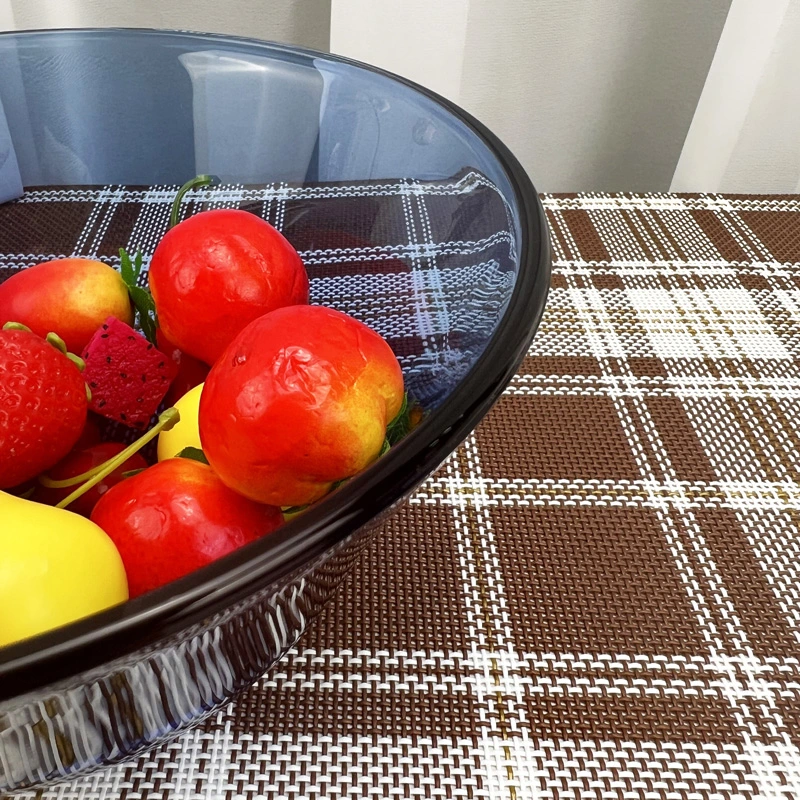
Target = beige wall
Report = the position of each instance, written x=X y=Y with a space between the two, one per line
x=300 y=22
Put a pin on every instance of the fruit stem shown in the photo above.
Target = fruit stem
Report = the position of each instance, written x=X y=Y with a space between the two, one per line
x=16 y=326
x=166 y=420
x=194 y=183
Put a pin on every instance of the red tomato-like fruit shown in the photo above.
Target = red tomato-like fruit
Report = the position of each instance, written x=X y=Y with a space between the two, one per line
x=42 y=406
x=299 y=400
x=90 y=435
x=69 y=296
x=80 y=461
x=217 y=271
x=176 y=517
x=191 y=371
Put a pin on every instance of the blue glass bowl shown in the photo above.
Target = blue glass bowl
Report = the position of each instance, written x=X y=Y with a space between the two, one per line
x=409 y=214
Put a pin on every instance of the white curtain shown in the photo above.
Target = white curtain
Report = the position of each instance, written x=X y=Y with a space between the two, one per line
x=745 y=134
x=592 y=95
x=602 y=95
x=301 y=22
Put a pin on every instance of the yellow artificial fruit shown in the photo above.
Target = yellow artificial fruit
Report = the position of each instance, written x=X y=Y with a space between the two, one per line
x=186 y=432
x=55 y=567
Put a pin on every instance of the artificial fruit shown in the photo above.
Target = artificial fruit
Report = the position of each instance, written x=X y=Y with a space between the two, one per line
x=176 y=517
x=128 y=376
x=185 y=433
x=71 y=296
x=43 y=404
x=300 y=400
x=229 y=267
x=55 y=567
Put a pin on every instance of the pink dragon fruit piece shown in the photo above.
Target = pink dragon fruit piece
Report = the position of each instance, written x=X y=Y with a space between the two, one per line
x=127 y=375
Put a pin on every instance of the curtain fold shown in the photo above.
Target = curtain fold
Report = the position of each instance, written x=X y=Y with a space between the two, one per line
x=745 y=134
x=301 y=22
x=7 y=22
x=596 y=95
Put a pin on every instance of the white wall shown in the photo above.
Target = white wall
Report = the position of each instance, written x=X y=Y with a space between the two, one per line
x=300 y=22
x=422 y=40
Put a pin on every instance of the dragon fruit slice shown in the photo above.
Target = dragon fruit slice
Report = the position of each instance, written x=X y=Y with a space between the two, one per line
x=128 y=376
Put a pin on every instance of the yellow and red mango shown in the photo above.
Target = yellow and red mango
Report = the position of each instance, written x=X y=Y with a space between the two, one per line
x=69 y=296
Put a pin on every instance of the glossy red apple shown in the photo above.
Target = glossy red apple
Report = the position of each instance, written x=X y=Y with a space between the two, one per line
x=299 y=400
x=176 y=517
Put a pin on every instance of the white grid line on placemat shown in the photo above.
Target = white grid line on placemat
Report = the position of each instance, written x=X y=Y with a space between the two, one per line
x=96 y=212
x=237 y=193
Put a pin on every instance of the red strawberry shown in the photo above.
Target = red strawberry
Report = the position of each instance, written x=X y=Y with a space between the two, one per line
x=128 y=376
x=42 y=406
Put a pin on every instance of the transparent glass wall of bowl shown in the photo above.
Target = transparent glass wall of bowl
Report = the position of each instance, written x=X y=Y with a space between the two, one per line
x=128 y=107
x=10 y=179
x=153 y=109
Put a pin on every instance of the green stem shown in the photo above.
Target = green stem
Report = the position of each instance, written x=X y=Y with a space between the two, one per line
x=194 y=183
x=73 y=481
x=166 y=420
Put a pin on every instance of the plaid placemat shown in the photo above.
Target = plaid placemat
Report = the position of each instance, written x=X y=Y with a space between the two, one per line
x=598 y=595
x=428 y=264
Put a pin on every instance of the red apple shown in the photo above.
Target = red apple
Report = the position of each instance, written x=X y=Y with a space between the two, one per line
x=217 y=271
x=80 y=461
x=176 y=517
x=69 y=296
x=299 y=400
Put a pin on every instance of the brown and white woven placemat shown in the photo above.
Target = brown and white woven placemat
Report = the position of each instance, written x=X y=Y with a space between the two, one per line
x=598 y=595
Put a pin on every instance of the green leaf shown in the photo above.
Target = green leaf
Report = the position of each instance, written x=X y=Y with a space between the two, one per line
x=146 y=311
x=131 y=472
x=148 y=329
x=126 y=268
x=193 y=454
x=400 y=426
x=142 y=299
x=385 y=448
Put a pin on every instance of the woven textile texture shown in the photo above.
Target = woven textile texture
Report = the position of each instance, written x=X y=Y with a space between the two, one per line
x=598 y=595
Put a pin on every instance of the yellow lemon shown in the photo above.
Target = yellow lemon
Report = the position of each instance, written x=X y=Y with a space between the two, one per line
x=186 y=433
x=55 y=567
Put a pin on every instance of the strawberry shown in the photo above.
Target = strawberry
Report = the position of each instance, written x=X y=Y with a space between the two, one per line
x=43 y=405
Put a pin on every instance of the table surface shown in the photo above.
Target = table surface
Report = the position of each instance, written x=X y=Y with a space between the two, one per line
x=598 y=595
